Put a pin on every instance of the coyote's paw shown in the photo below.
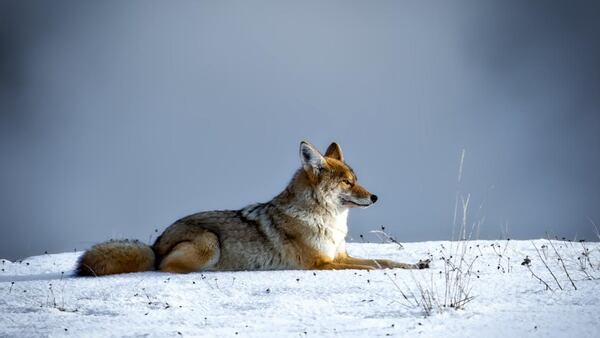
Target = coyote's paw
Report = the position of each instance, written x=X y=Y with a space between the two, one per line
x=423 y=264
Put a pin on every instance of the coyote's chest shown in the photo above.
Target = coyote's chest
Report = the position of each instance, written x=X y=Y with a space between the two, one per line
x=330 y=234
x=298 y=232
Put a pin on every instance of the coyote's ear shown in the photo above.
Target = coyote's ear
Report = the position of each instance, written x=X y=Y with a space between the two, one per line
x=312 y=160
x=335 y=151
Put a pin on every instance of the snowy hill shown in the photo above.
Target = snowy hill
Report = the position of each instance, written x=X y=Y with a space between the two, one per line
x=39 y=296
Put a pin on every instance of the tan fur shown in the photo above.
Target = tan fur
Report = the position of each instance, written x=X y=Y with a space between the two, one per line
x=304 y=227
x=334 y=151
x=375 y=263
x=115 y=257
x=199 y=254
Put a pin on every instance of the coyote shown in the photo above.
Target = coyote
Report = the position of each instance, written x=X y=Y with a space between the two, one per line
x=304 y=227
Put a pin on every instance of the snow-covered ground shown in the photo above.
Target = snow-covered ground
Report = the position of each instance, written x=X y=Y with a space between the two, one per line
x=37 y=299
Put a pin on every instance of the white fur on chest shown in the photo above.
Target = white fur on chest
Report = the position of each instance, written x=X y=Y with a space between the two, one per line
x=328 y=232
x=341 y=222
x=335 y=234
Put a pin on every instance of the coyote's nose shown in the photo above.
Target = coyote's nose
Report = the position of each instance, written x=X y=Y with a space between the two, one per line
x=373 y=198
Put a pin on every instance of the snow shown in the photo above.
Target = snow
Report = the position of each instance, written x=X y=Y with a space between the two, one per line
x=46 y=300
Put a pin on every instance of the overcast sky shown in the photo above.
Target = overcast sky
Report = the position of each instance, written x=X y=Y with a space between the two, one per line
x=117 y=118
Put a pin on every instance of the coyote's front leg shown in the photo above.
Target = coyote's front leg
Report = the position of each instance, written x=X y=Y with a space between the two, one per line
x=383 y=263
x=343 y=266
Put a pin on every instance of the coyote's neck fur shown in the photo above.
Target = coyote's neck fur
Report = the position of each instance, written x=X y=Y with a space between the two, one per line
x=303 y=212
x=314 y=208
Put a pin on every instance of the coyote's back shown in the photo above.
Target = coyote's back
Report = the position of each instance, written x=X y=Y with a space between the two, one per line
x=304 y=227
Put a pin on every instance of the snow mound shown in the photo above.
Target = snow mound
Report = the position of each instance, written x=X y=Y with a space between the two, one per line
x=40 y=297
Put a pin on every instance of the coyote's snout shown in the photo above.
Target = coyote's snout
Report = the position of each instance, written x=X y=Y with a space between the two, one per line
x=304 y=227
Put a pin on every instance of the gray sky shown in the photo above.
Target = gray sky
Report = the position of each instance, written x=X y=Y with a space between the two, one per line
x=117 y=118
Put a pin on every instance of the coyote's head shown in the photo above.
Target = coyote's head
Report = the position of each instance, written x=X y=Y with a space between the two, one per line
x=331 y=179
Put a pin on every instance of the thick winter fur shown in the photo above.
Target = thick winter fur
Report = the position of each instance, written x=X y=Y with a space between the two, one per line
x=114 y=257
x=304 y=227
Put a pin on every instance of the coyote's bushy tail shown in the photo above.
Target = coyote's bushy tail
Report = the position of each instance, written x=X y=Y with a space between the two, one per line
x=116 y=256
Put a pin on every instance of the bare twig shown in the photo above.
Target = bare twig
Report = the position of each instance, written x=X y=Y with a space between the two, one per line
x=596 y=230
x=546 y=265
x=560 y=259
x=384 y=236
x=528 y=265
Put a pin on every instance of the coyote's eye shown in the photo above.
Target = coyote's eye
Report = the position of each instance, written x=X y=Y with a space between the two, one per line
x=347 y=182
